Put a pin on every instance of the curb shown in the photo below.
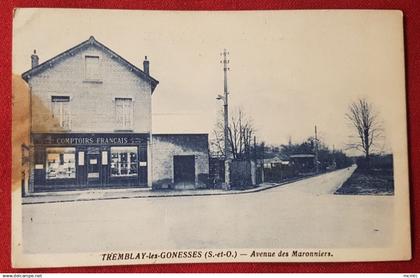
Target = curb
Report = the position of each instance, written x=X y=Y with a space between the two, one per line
x=253 y=190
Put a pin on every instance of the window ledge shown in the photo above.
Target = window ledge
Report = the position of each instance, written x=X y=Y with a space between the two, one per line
x=98 y=81
x=123 y=130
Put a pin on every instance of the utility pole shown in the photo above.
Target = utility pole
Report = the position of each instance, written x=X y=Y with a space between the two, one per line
x=225 y=63
x=316 y=151
x=255 y=148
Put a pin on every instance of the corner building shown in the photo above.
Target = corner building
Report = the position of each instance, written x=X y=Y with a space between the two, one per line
x=91 y=127
x=90 y=120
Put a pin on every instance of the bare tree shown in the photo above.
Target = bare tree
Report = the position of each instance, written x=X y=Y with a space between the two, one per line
x=240 y=134
x=217 y=140
x=364 y=119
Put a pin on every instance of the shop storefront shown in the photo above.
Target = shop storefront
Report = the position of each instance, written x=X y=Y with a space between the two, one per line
x=67 y=161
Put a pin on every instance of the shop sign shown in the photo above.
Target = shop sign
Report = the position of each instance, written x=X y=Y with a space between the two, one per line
x=88 y=139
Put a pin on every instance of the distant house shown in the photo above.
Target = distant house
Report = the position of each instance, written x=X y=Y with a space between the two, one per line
x=277 y=168
x=274 y=162
x=303 y=163
x=91 y=126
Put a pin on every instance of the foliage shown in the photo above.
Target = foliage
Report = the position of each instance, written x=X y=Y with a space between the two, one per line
x=327 y=158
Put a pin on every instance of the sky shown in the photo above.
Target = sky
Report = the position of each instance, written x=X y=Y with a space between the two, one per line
x=289 y=70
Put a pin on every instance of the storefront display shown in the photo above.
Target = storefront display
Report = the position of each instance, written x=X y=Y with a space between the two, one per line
x=73 y=161
x=61 y=163
x=124 y=161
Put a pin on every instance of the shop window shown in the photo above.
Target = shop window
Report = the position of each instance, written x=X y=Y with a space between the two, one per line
x=61 y=111
x=124 y=161
x=61 y=163
x=124 y=113
x=92 y=68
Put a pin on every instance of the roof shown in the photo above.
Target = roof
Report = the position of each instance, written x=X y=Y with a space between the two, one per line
x=91 y=41
x=276 y=160
x=192 y=141
x=302 y=156
x=179 y=134
x=272 y=160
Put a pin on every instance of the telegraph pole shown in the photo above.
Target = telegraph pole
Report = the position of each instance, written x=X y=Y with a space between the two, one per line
x=225 y=97
x=225 y=62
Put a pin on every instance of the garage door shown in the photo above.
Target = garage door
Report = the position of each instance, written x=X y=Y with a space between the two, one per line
x=184 y=169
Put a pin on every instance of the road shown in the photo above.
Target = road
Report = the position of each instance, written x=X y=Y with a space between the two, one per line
x=303 y=214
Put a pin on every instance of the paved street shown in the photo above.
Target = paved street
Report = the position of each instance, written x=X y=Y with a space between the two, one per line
x=301 y=214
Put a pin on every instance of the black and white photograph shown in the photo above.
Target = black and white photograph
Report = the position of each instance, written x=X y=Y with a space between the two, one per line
x=144 y=137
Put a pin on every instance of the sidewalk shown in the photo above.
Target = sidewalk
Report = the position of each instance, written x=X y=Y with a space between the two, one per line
x=110 y=194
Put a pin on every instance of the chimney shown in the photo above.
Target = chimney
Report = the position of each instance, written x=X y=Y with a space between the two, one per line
x=34 y=59
x=146 y=64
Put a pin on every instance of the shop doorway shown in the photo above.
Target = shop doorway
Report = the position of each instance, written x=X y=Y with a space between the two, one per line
x=184 y=170
x=93 y=167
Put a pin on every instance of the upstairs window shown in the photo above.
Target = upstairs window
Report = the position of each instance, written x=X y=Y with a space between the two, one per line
x=92 y=70
x=61 y=111
x=124 y=113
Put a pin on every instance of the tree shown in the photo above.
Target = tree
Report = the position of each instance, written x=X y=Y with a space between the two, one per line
x=240 y=136
x=364 y=119
x=306 y=147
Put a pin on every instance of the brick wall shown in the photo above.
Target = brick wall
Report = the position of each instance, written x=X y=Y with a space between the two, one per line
x=92 y=103
x=165 y=147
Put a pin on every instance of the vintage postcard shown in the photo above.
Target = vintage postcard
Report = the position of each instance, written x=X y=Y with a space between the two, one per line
x=143 y=137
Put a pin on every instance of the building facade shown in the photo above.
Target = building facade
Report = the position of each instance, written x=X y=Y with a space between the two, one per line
x=90 y=120
x=180 y=161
